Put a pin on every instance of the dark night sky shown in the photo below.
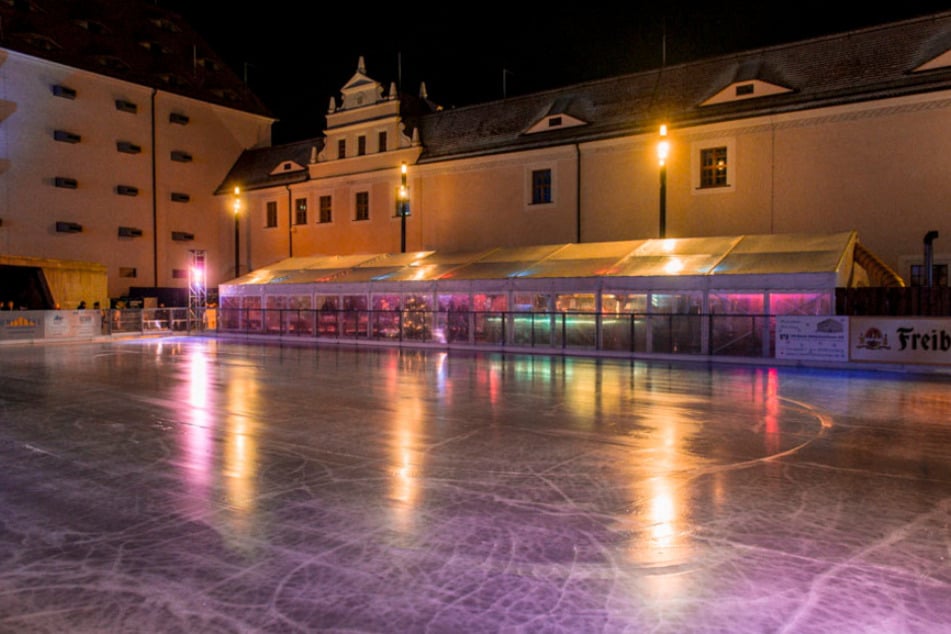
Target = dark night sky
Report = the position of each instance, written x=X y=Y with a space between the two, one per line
x=299 y=55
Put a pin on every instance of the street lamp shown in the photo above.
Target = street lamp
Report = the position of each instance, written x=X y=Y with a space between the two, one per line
x=237 y=238
x=404 y=195
x=663 y=149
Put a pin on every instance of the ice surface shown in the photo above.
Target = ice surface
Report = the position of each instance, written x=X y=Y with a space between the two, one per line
x=203 y=486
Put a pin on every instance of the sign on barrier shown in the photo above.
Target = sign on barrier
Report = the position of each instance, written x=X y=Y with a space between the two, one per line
x=809 y=338
x=901 y=340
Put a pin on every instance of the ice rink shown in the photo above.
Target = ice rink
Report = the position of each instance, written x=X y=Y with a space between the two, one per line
x=201 y=486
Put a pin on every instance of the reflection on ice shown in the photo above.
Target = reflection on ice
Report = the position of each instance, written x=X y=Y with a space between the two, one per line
x=195 y=485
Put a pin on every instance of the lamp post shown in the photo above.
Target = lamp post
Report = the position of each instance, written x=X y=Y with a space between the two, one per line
x=663 y=149
x=237 y=236
x=403 y=197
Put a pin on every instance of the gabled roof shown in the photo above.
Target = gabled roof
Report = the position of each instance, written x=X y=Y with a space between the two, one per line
x=131 y=40
x=851 y=67
x=267 y=167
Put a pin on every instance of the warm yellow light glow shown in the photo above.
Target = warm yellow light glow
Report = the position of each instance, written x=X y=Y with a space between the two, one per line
x=237 y=200
x=403 y=168
x=663 y=146
x=402 y=192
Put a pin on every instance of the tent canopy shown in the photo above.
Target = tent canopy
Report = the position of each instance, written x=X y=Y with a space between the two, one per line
x=804 y=260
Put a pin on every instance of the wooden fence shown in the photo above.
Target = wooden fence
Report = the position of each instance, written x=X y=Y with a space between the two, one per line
x=907 y=301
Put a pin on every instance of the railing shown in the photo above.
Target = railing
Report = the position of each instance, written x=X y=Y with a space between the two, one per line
x=629 y=333
x=152 y=320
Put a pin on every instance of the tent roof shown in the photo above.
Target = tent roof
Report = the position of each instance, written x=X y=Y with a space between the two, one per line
x=744 y=255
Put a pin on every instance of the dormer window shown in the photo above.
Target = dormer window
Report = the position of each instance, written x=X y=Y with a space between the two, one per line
x=744 y=90
x=555 y=122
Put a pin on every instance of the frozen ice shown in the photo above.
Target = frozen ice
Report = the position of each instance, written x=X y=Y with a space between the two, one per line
x=198 y=485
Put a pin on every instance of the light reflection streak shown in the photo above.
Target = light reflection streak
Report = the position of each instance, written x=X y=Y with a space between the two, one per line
x=408 y=395
x=199 y=452
x=240 y=451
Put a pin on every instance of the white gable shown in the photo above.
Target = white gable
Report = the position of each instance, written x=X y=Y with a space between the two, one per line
x=941 y=61
x=740 y=90
x=287 y=167
x=554 y=122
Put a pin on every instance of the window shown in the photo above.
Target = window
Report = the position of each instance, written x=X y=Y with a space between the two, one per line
x=362 y=206
x=939 y=274
x=179 y=197
x=342 y=148
x=178 y=118
x=128 y=148
x=66 y=137
x=126 y=106
x=713 y=167
x=271 y=213
x=130 y=232
x=179 y=274
x=326 y=209
x=541 y=186
x=182 y=236
x=381 y=143
x=300 y=211
x=127 y=190
x=361 y=145
x=68 y=227
x=65 y=182
x=127 y=271
x=181 y=157
x=64 y=91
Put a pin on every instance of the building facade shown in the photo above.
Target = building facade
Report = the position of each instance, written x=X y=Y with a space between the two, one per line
x=850 y=132
x=117 y=123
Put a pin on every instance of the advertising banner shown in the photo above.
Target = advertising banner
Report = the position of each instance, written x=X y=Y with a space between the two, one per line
x=24 y=324
x=901 y=340
x=808 y=338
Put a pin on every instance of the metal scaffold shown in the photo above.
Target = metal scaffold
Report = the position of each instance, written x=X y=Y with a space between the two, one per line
x=197 y=291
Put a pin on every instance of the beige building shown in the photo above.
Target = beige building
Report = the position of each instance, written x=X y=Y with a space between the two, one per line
x=117 y=124
x=850 y=132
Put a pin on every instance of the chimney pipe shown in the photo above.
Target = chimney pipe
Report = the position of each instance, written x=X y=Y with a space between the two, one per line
x=930 y=237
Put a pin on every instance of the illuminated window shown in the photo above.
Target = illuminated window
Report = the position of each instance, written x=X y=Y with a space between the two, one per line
x=300 y=211
x=362 y=206
x=541 y=186
x=713 y=167
x=326 y=209
x=271 y=214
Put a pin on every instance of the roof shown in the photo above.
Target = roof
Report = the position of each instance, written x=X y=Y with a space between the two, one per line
x=130 y=40
x=850 y=67
x=807 y=260
x=854 y=66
